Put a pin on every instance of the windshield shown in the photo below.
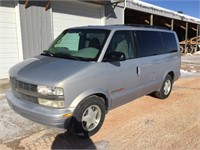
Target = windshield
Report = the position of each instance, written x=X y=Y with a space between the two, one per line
x=78 y=44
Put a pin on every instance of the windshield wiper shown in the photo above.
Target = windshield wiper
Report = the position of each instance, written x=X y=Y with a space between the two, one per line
x=47 y=53
x=61 y=55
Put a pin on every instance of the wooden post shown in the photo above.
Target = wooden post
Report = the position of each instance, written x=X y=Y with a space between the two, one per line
x=26 y=3
x=48 y=5
x=186 y=36
x=197 y=38
x=151 y=20
x=172 y=24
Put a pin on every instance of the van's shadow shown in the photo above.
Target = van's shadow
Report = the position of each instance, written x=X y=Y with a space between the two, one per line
x=68 y=141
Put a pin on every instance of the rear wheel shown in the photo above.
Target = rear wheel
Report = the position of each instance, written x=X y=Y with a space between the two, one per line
x=88 y=117
x=165 y=89
x=182 y=49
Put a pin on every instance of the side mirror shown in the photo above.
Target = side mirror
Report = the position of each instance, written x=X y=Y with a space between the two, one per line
x=115 y=56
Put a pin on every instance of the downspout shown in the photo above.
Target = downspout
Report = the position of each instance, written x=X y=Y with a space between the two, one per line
x=124 y=11
x=125 y=4
x=19 y=31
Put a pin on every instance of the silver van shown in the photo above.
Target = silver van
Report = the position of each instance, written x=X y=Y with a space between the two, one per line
x=89 y=70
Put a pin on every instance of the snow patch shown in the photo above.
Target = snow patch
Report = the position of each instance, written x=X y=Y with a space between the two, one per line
x=198 y=53
x=185 y=73
x=193 y=71
x=188 y=54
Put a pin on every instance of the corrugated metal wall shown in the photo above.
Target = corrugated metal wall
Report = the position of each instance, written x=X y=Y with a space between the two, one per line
x=9 y=54
x=36 y=28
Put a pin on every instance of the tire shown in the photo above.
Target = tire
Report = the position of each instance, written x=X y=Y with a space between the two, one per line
x=88 y=117
x=165 y=89
x=181 y=49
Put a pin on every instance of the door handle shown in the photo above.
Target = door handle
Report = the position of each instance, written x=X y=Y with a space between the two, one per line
x=138 y=70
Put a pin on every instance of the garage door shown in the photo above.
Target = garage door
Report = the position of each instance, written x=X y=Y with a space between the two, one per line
x=71 y=14
x=8 y=38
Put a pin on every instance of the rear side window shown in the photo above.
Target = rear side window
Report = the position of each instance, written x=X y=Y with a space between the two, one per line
x=169 y=42
x=149 y=43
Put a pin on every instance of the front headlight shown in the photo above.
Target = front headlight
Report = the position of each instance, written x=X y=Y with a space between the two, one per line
x=44 y=90
x=51 y=103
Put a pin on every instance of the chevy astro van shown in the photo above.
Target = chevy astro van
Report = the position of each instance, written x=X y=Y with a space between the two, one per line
x=88 y=71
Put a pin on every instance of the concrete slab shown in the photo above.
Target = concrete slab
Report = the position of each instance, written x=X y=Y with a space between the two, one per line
x=4 y=85
x=13 y=126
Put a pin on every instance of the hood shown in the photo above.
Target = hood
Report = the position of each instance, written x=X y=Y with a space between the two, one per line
x=47 y=70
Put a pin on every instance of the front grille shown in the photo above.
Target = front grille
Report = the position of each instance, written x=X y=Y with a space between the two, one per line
x=20 y=88
x=26 y=97
x=22 y=85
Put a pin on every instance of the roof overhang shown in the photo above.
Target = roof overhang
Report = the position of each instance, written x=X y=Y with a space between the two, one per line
x=104 y=2
x=160 y=11
x=98 y=2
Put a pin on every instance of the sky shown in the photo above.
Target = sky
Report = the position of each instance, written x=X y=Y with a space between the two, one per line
x=188 y=7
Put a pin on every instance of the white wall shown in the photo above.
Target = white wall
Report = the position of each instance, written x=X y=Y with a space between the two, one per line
x=68 y=14
x=9 y=54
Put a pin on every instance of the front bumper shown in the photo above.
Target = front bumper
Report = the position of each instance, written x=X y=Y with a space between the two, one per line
x=44 y=115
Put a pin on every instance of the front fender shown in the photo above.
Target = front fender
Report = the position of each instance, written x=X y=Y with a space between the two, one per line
x=88 y=93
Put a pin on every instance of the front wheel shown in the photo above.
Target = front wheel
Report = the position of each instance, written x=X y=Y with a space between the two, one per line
x=88 y=117
x=165 y=89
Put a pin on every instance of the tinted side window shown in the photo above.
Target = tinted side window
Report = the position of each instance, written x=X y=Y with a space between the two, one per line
x=149 y=43
x=122 y=42
x=169 y=41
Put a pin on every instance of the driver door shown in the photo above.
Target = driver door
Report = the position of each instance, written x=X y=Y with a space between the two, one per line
x=122 y=75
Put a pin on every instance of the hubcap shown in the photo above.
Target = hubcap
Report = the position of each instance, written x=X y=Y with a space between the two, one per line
x=167 y=87
x=91 y=117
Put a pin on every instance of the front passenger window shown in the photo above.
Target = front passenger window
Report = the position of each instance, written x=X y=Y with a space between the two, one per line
x=122 y=42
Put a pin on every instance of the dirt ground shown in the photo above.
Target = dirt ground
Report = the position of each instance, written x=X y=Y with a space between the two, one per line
x=144 y=124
